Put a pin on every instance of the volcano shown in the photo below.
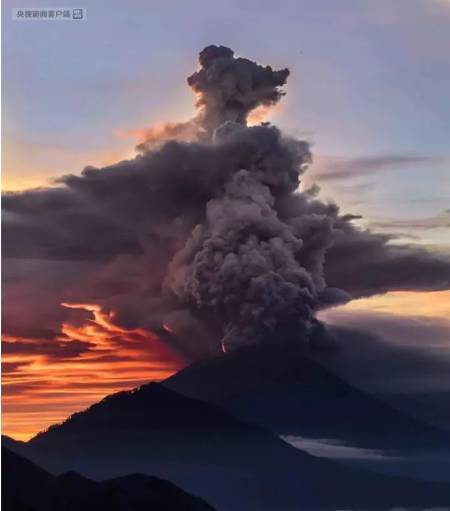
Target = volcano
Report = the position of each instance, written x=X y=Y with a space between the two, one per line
x=291 y=394
x=206 y=451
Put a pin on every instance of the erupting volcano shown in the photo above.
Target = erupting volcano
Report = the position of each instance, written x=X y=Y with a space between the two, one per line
x=207 y=248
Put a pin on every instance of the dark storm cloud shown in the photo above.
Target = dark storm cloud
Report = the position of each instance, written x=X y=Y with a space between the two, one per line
x=205 y=239
x=348 y=168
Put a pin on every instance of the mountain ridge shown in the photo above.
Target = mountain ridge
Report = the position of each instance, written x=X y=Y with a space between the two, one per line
x=26 y=486
x=256 y=374
x=234 y=465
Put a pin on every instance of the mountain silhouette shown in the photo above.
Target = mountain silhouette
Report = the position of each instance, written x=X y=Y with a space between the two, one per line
x=206 y=451
x=293 y=395
x=12 y=444
x=27 y=487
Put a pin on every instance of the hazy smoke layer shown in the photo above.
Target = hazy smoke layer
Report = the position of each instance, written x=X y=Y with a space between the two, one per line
x=210 y=236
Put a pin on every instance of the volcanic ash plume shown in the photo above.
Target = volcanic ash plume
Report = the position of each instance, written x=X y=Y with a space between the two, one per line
x=230 y=88
x=242 y=263
x=227 y=89
x=206 y=236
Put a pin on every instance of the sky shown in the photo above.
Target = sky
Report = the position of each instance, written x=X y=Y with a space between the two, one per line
x=368 y=88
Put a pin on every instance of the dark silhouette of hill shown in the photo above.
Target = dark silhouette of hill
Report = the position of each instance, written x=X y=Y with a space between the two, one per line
x=206 y=451
x=292 y=395
x=12 y=444
x=27 y=487
x=287 y=391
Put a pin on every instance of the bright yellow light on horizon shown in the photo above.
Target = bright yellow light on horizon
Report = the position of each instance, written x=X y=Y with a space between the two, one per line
x=404 y=303
x=41 y=165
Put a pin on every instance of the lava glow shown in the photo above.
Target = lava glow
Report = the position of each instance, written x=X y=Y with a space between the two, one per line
x=95 y=357
x=168 y=328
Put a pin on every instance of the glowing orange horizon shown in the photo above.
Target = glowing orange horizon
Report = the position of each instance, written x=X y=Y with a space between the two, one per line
x=434 y=304
x=43 y=390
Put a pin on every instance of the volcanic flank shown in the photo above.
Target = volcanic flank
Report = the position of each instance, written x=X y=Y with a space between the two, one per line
x=209 y=235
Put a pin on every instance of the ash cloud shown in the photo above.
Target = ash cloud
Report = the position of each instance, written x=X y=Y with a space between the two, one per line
x=338 y=169
x=441 y=221
x=209 y=235
x=230 y=88
x=227 y=89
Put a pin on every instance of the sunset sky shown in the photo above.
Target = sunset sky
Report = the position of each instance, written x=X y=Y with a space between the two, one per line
x=369 y=88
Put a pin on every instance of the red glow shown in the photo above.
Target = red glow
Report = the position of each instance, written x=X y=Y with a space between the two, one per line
x=41 y=390
x=168 y=328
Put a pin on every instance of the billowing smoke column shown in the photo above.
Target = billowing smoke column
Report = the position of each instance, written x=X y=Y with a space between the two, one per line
x=208 y=234
x=230 y=88
x=227 y=89
x=242 y=264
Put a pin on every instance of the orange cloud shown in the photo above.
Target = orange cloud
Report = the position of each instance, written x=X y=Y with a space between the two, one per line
x=39 y=389
x=41 y=163
x=161 y=132
x=261 y=113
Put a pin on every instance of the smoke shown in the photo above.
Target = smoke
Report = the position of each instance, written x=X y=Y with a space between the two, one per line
x=242 y=265
x=208 y=237
x=230 y=88
x=227 y=89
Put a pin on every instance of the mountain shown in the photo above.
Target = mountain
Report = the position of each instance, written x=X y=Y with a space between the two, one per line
x=208 y=452
x=12 y=444
x=292 y=395
x=27 y=487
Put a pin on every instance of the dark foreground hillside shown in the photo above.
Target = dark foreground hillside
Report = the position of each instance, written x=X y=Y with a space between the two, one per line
x=27 y=487
x=292 y=395
x=235 y=466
